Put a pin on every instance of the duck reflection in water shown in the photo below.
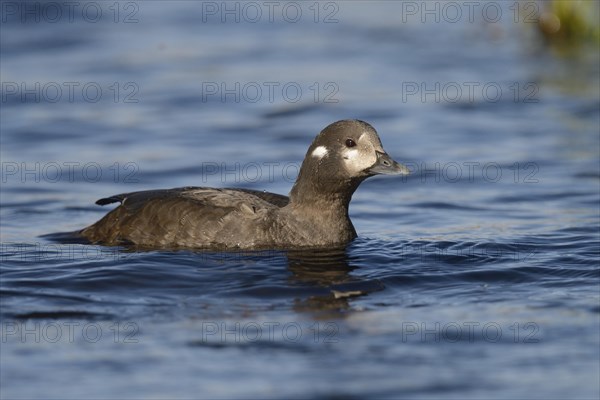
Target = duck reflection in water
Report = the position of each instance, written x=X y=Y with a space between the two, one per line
x=330 y=284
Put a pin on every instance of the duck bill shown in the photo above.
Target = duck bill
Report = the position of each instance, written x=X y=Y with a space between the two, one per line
x=386 y=166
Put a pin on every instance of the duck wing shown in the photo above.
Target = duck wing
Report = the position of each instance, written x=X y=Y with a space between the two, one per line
x=189 y=217
x=141 y=196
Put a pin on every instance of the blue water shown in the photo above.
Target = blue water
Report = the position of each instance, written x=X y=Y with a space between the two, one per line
x=475 y=277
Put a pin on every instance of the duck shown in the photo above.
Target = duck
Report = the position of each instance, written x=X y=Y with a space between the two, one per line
x=314 y=215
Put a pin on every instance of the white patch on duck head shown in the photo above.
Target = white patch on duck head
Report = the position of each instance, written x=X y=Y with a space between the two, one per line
x=362 y=156
x=320 y=152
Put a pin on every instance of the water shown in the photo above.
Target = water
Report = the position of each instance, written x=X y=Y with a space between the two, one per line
x=476 y=276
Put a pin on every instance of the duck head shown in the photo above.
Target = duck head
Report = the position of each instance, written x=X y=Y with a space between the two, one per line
x=343 y=155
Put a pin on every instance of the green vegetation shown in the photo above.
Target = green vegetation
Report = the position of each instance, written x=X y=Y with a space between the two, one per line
x=570 y=22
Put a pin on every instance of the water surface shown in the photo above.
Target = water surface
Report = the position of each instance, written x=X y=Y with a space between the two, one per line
x=476 y=276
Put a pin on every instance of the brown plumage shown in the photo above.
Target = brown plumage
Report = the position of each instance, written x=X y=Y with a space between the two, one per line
x=315 y=215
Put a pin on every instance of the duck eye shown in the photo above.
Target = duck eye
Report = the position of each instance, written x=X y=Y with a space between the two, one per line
x=350 y=143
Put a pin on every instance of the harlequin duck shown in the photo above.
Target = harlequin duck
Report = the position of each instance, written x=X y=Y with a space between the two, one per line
x=314 y=215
